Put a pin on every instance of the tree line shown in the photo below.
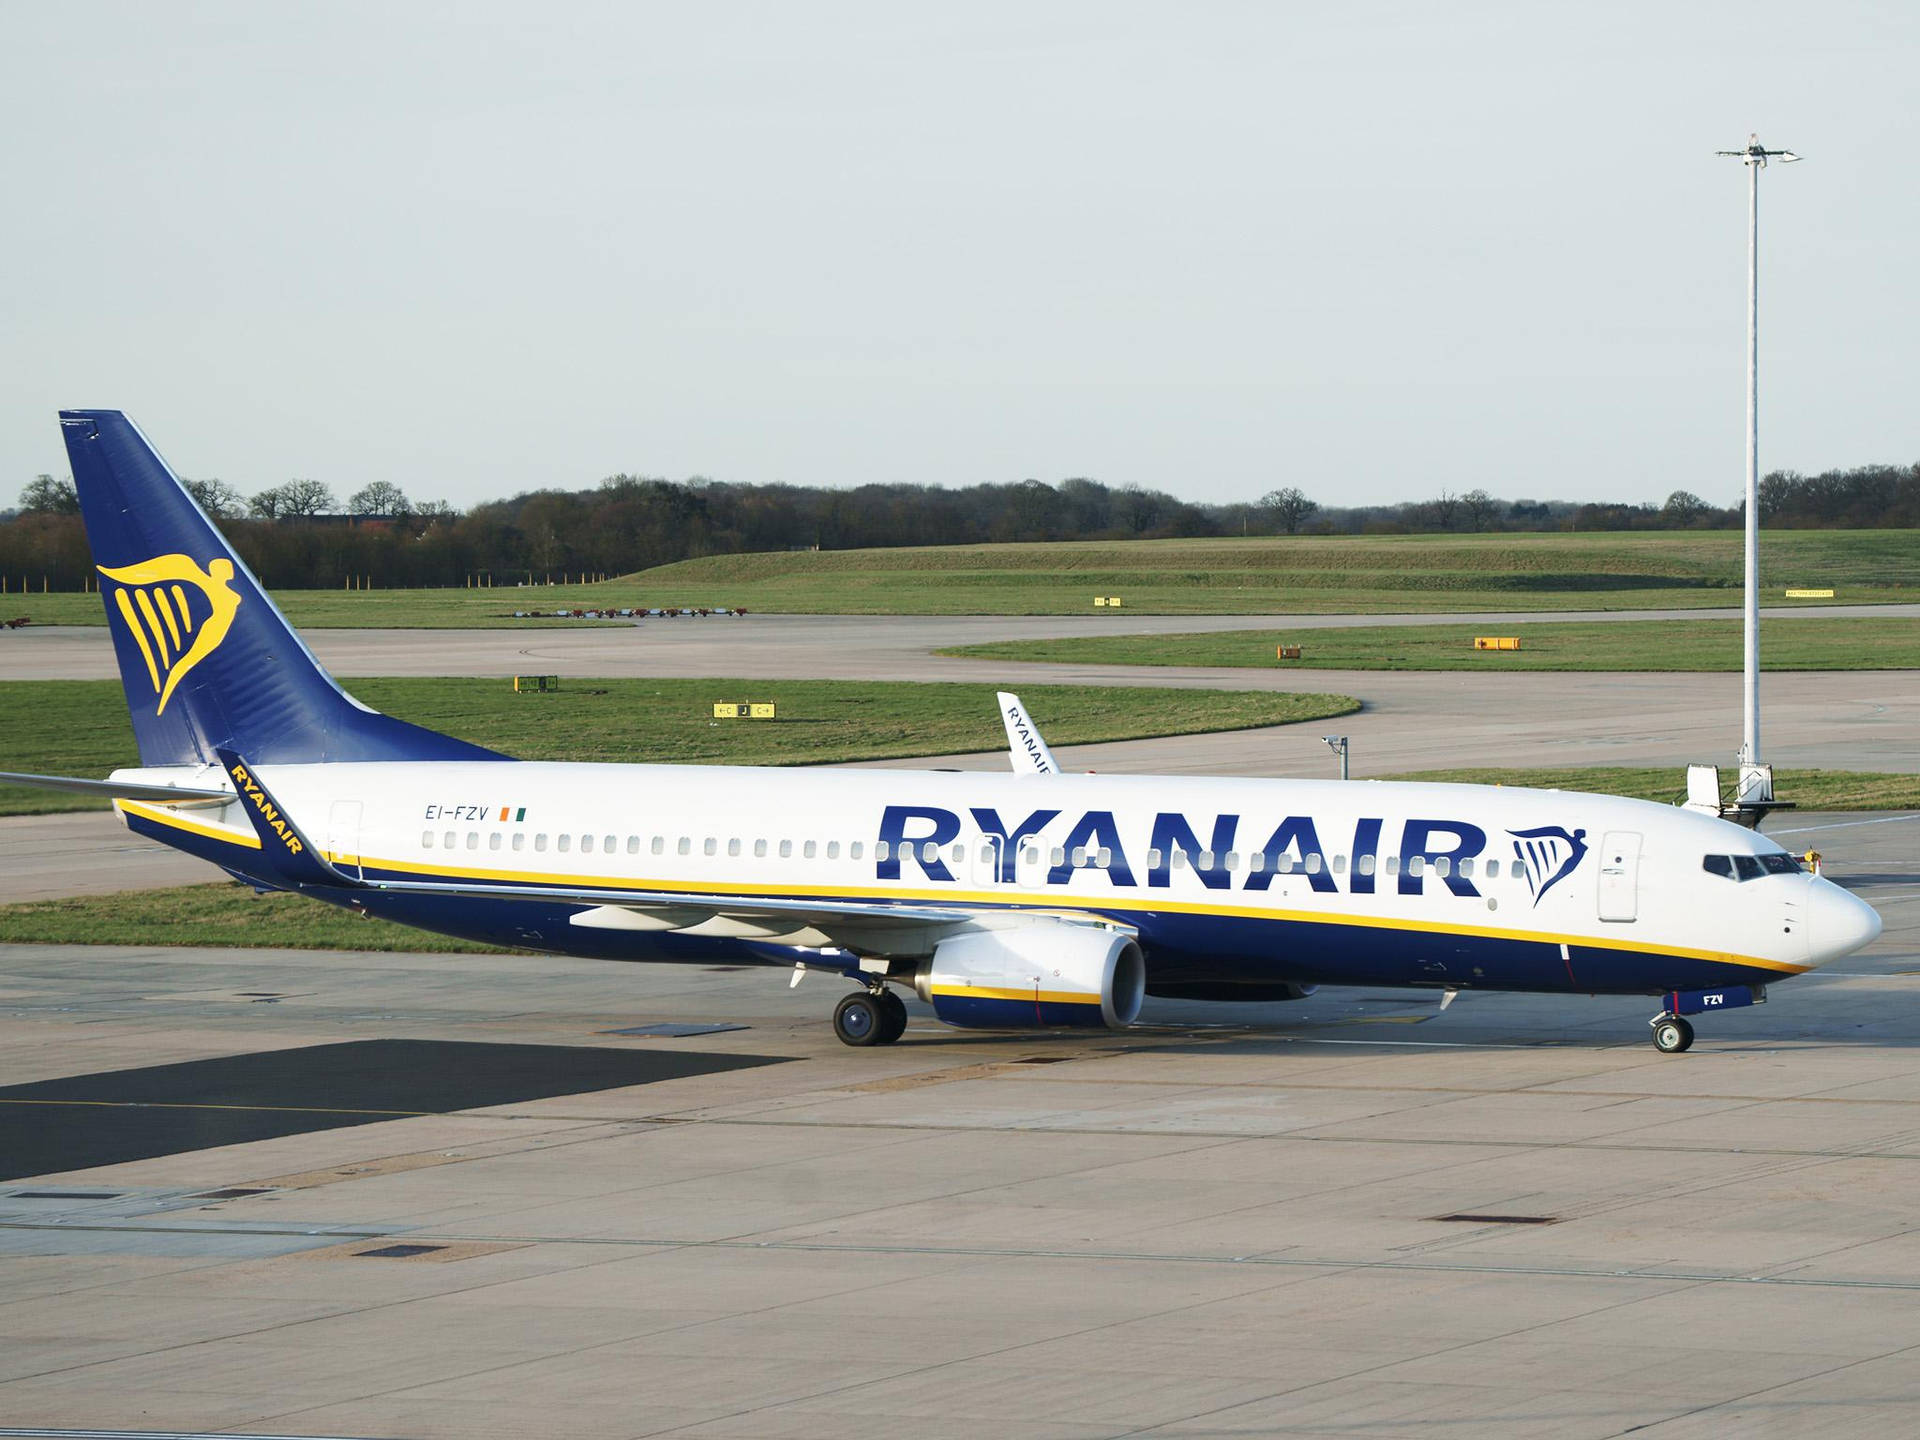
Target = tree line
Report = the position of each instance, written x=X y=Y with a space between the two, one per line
x=299 y=536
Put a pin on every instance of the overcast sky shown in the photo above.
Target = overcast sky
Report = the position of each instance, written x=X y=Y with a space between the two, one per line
x=1374 y=250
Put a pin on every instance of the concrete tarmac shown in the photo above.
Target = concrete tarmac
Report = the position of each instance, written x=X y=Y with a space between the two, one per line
x=1352 y=1215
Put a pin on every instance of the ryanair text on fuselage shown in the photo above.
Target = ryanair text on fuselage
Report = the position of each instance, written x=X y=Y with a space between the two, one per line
x=917 y=835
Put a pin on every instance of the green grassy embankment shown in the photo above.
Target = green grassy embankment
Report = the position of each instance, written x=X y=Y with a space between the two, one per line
x=80 y=727
x=1303 y=574
x=1812 y=643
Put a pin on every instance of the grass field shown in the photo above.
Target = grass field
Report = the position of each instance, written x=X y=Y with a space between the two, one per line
x=1808 y=789
x=1280 y=575
x=80 y=727
x=219 y=914
x=233 y=915
x=1813 y=643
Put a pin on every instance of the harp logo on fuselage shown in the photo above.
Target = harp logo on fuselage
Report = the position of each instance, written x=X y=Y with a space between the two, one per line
x=176 y=613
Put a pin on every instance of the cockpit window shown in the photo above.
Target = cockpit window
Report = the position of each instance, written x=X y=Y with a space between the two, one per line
x=1750 y=867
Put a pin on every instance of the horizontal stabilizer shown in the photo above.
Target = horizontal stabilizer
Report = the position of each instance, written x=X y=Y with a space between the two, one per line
x=112 y=789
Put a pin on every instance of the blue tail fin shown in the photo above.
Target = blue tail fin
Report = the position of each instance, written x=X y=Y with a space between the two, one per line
x=207 y=661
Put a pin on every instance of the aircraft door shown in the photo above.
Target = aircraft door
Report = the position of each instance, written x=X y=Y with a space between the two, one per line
x=1619 y=897
x=343 y=836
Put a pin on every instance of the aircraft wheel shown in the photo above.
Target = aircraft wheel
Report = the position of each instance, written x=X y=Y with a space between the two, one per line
x=1672 y=1035
x=894 y=1013
x=859 y=1019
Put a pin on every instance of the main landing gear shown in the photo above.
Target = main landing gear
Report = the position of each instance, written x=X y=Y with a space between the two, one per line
x=873 y=1016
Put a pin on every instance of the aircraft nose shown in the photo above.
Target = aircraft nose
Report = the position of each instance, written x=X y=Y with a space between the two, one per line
x=1837 y=923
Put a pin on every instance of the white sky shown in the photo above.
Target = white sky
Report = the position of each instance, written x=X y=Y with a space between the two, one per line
x=1370 y=249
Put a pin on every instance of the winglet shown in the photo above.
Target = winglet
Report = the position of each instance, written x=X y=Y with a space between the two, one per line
x=285 y=849
x=1025 y=748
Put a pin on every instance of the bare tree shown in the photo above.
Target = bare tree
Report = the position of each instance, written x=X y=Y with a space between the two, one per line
x=56 y=497
x=305 y=497
x=382 y=497
x=216 y=497
x=1445 y=509
x=1289 y=507
x=1480 y=507
x=1683 y=507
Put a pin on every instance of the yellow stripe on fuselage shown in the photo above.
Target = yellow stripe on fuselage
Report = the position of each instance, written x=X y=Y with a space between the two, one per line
x=161 y=816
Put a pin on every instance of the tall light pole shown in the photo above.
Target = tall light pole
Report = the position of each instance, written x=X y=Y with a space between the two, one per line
x=1756 y=784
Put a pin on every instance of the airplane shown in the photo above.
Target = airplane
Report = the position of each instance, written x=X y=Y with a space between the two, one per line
x=1035 y=899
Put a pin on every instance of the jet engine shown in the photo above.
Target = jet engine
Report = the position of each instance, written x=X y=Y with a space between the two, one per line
x=1050 y=973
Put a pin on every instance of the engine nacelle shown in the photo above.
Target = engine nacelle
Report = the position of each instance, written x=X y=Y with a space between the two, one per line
x=1036 y=976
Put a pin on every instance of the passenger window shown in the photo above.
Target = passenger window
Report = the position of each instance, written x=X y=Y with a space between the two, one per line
x=609 y=843
x=1287 y=864
x=710 y=846
x=1233 y=860
x=473 y=841
x=1466 y=866
x=929 y=852
x=1154 y=858
x=1416 y=864
x=493 y=840
x=855 y=850
x=685 y=847
x=807 y=850
x=882 y=851
x=1747 y=867
x=1179 y=859
x=426 y=840
x=833 y=849
x=786 y=849
x=1339 y=864
x=449 y=840
x=586 y=844
x=733 y=848
x=759 y=849
x=1104 y=859
x=1721 y=865
x=1443 y=867
x=1205 y=860
x=519 y=839
x=1493 y=869
x=633 y=844
x=1313 y=862
x=563 y=843
x=1031 y=856
x=1366 y=864
x=1079 y=857
x=659 y=845
x=1393 y=864
x=540 y=841
x=1257 y=861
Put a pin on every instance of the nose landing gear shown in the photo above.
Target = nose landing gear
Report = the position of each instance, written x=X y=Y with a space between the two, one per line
x=1671 y=1034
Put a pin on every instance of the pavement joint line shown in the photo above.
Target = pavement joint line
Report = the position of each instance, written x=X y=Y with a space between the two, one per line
x=48 y=1433
x=989 y=1252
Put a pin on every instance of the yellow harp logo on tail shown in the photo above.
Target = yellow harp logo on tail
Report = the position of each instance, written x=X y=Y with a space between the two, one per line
x=176 y=612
